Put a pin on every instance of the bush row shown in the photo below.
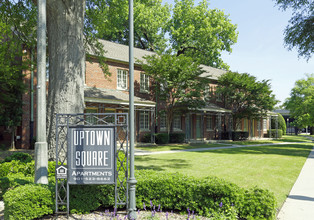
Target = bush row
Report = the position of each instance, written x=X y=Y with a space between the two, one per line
x=235 y=135
x=208 y=197
x=274 y=133
x=164 y=138
x=170 y=191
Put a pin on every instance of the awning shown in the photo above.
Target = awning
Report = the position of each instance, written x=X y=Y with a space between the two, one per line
x=213 y=108
x=110 y=96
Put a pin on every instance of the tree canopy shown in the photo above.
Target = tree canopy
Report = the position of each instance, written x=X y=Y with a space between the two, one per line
x=193 y=30
x=201 y=33
x=299 y=33
x=301 y=102
x=177 y=80
x=245 y=96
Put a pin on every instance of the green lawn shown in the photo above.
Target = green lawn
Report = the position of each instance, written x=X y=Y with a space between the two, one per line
x=271 y=167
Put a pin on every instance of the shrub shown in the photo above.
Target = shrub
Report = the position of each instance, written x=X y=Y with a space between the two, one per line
x=236 y=135
x=23 y=157
x=281 y=124
x=260 y=202
x=177 y=137
x=161 y=138
x=12 y=167
x=28 y=202
x=27 y=169
x=12 y=181
x=211 y=195
x=274 y=133
x=146 y=138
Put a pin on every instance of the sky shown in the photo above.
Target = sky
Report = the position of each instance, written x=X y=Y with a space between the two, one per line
x=260 y=49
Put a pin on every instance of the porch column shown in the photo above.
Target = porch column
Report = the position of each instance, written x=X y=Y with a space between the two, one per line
x=152 y=131
x=219 y=126
x=230 y=126
x=270 y=126
x=202 y=125
x=276 y=124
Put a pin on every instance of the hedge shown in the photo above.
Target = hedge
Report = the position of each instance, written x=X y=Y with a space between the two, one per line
x=236 y=135
x=163 y=138
x=274 y=133
x=171 y=191
x=28 y=202
x=177 y=137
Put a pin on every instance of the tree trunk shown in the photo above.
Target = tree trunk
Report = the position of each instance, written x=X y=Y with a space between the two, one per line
x=65 y=24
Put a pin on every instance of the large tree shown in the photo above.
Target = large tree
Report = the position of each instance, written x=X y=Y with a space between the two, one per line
x=301 y=102
x=245 y=96
x=69 y=34
x=299 y=33
x=178 y=84
x=150 y=20
x=201 y=33
x=193 y=30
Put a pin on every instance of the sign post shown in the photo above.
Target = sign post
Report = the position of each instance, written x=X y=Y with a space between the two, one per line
x=92 y=152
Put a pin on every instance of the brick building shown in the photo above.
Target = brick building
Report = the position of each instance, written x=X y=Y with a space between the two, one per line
x=108 y=94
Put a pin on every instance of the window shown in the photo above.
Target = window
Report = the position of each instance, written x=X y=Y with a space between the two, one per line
x=209 y=123
x=177 y=122
x=163 y=122
x=91 y=119
x=122 y=81
x=144 y=82
x=239 y=125
x=207 y=92
x=265 y=124
x=144 y=120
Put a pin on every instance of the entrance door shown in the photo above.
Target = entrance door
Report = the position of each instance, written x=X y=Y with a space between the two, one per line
x=198 y=126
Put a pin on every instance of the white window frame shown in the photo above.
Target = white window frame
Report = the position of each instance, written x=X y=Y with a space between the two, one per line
x=122 y=79
x=144 y=83
x=176 y=123
x=163 y=122
x=144 y=121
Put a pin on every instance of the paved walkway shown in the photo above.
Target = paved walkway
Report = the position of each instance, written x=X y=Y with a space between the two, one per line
x=300 y=203
x=143 y=152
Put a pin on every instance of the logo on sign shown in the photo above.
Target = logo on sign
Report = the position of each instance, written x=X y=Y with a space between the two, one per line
x=61 y=172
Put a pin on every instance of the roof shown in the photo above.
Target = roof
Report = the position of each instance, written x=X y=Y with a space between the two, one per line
x=111 y=96
x=120 y=52
x=210 y=107
x=282 y=111
x=211 y=72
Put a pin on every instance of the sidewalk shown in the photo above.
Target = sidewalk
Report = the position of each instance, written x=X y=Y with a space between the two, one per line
x=144 y=153
x=300 y=203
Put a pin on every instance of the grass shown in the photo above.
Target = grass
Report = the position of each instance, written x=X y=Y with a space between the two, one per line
x=273 y=167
